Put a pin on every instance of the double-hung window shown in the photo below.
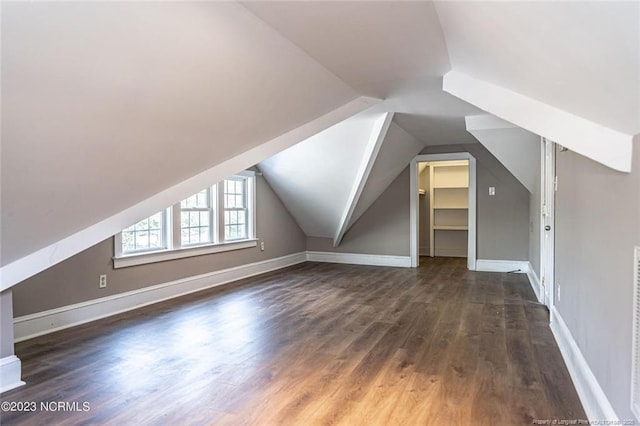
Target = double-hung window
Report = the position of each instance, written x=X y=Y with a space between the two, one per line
x=235 y=208
x=217 y=218
x=196 y=219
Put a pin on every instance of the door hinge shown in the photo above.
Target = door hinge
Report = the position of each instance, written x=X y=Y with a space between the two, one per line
x=555 y=183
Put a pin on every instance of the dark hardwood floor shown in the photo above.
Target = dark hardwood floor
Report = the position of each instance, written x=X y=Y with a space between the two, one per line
x=312 y=344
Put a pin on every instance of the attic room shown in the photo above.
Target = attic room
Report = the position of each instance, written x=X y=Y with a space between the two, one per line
x=270 y=212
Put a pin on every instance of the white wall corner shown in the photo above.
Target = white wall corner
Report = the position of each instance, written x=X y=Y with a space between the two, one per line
x=515 y=266
x=42 y=259
x=595 y=141
x=486 y=122
x=594 y=400
x=38 y=324
x=10 y=373
x=534 y=281
x=360 y=259
x=378 y=133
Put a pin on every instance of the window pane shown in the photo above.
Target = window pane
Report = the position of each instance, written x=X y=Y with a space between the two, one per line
x=235 y=205
x=142 y=240
x=155 y=221
x=234 y=193
x=184 y=219
x=142 y=225
x=148 y=234
x=127 y=241
x=155 y=239
x=194 y=219
x=198 y=200
x=204 y=218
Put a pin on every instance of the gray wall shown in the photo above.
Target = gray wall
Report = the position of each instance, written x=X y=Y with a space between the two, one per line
x=502 y=219
x=535 y=216
x=382 y=229
x=597 y=227
x=6 y=325
x=76 y=279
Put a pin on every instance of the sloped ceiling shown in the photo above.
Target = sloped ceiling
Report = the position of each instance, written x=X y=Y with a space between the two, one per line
x=569 y=71
x=314 y=178
x=397 y=151
x=580 y=57
x=517 y=149
x=107 y=104
x=390 y=50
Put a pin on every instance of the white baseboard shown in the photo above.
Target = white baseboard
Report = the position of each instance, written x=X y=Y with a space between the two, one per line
x=10 y=373
x=534 y=281
x=485 y=265
x=29 y=326
x=593 y=398
x=359 y=259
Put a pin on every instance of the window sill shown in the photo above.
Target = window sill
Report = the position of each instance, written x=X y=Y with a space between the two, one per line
x=181 y=253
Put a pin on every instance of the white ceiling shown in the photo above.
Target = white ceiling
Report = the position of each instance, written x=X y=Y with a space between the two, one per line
x=517 y=149
x=375 y=47
x=581 y=57
x=397 y=150
x=391 y=50
x=105 y=104
x=315 y=177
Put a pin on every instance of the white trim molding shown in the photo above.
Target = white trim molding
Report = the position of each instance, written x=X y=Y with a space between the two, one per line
x=180 y=253
x=360 y=259
x=595 y=402
x=413 y=203
x=578 y=134
x=10 y=370
x=534 y=281
x=516 y=266
x=29 y=326
x=378 y=134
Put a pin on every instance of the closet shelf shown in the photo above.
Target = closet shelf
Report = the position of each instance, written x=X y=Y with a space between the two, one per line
x=451 y=187
x=450 y=227
x=451 y=208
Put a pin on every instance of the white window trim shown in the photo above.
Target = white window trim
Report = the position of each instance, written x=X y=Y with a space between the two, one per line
x=248 y=189
x=167 y=217
x=172 y=216
x=181 y=253
x=213 y=217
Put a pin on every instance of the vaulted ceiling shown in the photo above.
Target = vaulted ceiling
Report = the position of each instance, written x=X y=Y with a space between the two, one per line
x=111 y=110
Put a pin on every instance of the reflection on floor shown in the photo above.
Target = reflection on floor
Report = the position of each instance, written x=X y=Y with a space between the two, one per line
x=312 y=344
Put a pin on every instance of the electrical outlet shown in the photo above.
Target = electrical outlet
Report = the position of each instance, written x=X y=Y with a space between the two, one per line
x=261 y=245
x=558 y=284
x=103 y=281
x=492 y=190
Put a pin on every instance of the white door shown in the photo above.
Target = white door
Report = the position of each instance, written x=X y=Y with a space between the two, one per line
x=547 y=231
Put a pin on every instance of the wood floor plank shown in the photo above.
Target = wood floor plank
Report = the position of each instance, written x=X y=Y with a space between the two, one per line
x=312 y=344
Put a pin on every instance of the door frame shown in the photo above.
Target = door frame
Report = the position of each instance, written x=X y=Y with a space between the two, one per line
x=414 y=205
x=547 y=212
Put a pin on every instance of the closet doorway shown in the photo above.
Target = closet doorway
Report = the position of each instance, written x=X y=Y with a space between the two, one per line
x=443 y=207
